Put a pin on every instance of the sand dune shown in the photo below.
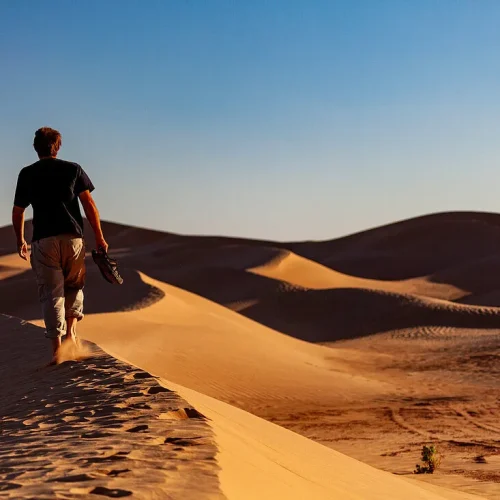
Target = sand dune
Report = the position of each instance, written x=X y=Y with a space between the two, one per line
x=407 y=313
x=291 y=268
x=352 y=313
x=100 y=427
x=409 y=248
x=261 y=460
x=193 y=336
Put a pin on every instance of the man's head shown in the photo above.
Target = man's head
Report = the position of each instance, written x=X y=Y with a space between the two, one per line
x=47 y=142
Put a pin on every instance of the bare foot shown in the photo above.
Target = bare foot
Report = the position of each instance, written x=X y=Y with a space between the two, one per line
x=56 y=347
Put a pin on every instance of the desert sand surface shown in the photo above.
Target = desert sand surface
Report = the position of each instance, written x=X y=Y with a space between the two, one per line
x=371 y=345
x=95 y=427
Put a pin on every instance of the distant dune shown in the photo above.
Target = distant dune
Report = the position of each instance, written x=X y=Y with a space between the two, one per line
x=397 y=270
x=409 y=248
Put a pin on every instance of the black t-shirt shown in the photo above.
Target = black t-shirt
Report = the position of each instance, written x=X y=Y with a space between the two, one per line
x=52 y=186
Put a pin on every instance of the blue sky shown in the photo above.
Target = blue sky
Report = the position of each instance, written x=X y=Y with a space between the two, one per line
x=278 y=119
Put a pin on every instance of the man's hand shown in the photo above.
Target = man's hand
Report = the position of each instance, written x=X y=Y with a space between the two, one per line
x=22 y=249
x=100 y=242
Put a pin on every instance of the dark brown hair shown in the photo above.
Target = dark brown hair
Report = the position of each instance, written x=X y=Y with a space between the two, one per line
x=47 y=141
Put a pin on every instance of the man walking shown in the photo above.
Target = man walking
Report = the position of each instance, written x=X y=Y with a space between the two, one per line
x=53 y=187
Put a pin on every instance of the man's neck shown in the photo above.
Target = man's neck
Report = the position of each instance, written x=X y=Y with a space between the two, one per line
x=46 y=157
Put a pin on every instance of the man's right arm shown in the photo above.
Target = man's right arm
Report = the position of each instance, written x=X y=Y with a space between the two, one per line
x=92 y=215
x=21 y=202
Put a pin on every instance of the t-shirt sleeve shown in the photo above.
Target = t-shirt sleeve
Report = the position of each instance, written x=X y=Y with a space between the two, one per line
x=22 y=196
x=83 y=182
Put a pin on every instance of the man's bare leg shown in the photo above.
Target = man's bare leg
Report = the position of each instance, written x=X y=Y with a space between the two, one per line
x=56 y=345
x=71 y=329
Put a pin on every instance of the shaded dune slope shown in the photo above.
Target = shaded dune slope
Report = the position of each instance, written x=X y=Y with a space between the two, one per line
x=20 y=297
x=328 y=315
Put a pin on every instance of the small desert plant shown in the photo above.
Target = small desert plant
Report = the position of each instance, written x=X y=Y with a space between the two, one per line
x=431 y=460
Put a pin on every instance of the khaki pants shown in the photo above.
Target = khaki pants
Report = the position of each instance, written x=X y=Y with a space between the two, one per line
x=59 y=266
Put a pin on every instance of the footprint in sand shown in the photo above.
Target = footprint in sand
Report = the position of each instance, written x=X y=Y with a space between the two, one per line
x=95 y=434
x=76 y=478
x=115 y=493
x=121 y=455
x=182 y=414
x=139 y=428
x=156 y=390
x=9 y=486
x=180 y=441
x=113 y=472
x=138 y=376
